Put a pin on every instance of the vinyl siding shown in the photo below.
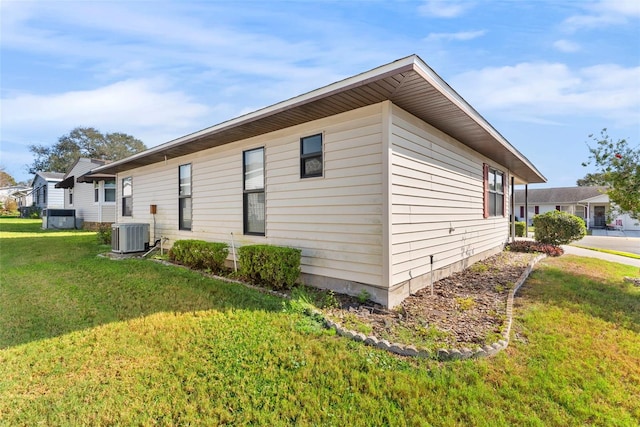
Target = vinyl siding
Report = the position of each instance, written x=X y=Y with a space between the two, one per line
x=55 y=196
x=84 y=198
x=336 y=219
x=436 y=200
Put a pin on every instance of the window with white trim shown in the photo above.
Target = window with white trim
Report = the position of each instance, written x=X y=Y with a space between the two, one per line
x=253 y=191
x=493 y=192
x=184 y=197
x=110 y=190
x=127 y=195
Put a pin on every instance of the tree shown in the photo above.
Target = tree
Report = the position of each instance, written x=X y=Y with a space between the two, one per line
x=83 y=142
x=6 y=180
x=619 y=165
x=591 y=179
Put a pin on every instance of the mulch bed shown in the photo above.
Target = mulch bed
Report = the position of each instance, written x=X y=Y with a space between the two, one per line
x=467 y=309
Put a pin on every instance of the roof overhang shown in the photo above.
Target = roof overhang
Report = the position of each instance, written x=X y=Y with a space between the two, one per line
x=68 y=182
x=408 y=83
x=92 y=177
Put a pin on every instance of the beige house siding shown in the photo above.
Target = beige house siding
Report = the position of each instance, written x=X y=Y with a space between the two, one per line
x=336 y=219
x=437 y=204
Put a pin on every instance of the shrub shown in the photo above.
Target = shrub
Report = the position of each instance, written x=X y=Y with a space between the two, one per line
x=275 y=267
x=531 y=247
x=558 y=228
x=104 y=234
x=199 y=254
x=520 y=228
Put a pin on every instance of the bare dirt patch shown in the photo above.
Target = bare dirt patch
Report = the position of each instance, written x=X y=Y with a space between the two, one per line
x=467 y=309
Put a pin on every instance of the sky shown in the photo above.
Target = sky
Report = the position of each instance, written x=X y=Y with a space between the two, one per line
x=545 y=74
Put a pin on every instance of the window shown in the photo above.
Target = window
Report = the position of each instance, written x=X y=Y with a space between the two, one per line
x=96 y=192
x=44 y=194
x=71 y=196
x=253 y=195
x=110 y=190
x=127 y=193
x=493 y=192
x=311 y=156
x=184 y=197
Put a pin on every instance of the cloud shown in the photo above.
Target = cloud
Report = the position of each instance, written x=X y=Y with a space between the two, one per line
x=567 y=46
x=444 y=8
x=604 y=13
x=544 y=92
x=145 y=108
x=459 y=36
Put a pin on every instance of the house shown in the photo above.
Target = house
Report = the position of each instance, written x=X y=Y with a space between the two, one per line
x=23 y=197
x=92 y=197
x=45 y=194
x=384 y=180
x=12 y=193
x=590 y=203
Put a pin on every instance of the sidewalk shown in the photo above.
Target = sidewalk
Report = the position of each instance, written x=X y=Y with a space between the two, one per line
x=572 y=250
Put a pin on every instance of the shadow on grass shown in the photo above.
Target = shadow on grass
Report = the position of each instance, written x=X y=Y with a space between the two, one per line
x=610 y=298
x=53 y=286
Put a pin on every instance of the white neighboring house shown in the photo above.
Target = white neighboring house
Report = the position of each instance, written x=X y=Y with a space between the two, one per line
x=384 y=180
x=92 y=197
x=14 y=192
x=590 y=203
x=45 y=194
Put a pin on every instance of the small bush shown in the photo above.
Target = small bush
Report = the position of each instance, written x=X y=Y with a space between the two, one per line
x=465 y=303
x=520 y=228
x=104 y=234
x=275 y=267
x=558 y=228
x=199 y=254
x=535 y=247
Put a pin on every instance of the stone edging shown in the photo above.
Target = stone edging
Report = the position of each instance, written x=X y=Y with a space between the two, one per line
x=441 y=354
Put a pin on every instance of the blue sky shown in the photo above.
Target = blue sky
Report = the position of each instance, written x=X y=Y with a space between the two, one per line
x=546 y=74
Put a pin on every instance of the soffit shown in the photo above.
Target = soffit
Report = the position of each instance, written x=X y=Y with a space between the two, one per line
x=408 y=83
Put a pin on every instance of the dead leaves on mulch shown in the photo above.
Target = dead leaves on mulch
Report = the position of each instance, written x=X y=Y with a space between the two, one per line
x=468 y=309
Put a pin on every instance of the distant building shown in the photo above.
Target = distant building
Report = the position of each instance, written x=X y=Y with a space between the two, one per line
x=590 y=203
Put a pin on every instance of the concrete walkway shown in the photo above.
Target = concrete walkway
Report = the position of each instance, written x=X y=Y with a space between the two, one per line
x=572 y=250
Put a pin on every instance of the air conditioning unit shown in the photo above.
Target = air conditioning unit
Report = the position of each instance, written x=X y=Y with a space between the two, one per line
x=58 y=219
x=129 y=237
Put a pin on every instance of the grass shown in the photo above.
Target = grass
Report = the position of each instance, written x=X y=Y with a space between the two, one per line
x=89 y=341
x=609 y=251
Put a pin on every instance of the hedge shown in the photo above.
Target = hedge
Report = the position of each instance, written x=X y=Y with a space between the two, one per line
x=520 y=229
x=275 y=267
x=558 y=228
x=199 y=254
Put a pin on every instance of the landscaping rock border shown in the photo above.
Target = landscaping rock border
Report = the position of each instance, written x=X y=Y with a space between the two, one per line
x=441 y=354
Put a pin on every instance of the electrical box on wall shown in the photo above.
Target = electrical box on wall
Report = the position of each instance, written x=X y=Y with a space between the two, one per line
x=153 y=209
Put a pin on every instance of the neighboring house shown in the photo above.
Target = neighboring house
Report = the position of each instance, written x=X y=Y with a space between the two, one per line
x=590 y=203
x=45 y=194
x=372 y=177
x=92 y=197
x=13 y=192
x=24 y=199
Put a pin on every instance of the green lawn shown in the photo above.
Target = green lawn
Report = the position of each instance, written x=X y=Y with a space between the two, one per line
x=86 y=340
